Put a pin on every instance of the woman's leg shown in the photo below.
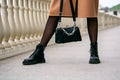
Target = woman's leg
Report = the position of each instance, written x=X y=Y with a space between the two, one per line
x=92 y=24
x=49 y=30
x=38 y=55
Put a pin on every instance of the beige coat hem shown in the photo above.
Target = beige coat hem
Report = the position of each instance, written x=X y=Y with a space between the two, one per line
x=86 y=8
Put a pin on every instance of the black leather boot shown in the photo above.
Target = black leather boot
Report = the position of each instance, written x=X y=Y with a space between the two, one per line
x=36 y=57
x=94 y=58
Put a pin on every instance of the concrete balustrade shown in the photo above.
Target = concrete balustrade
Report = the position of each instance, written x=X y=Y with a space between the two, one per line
x=22 y=23
x=106 y=20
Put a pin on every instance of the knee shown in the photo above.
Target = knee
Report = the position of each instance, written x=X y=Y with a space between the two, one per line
x=92 y=19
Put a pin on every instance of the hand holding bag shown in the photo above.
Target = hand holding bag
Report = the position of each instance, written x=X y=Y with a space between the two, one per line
x=68 y=34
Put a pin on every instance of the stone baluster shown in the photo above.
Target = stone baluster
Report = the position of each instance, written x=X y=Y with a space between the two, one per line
x=11 y=23
x=45 y=4
x=6 y=27
x=108 y=20
x=48 y=7
x=99 y=21
x=22 y=21
x=27 y=21
x=107 y=25
x=17 y=22
x=103 y=20
x=41 y=19
x=42 y=15
x=1 y=35
x=31 y=20
x=117 y=21
x=35 y=19
x=112 y=21
x=38 y=19
x=45 y=10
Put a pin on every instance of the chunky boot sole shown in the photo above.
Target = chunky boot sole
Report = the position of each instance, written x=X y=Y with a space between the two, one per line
x=28 y=62
x=94 y=61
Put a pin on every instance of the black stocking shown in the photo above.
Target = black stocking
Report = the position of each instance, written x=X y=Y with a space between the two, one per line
x=92 y=24
x=49 y=30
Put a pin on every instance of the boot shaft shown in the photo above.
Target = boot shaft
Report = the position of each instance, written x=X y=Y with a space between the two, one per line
x=94 y=49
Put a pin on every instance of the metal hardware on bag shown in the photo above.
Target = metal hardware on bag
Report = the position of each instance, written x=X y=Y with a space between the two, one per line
x=69 y=34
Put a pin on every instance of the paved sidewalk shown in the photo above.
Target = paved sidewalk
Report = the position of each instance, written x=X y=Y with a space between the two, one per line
x=70 y=61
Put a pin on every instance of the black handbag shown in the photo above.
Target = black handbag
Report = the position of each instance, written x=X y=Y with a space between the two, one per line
x=67 y=34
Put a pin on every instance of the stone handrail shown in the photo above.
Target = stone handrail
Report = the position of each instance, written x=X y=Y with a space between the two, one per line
x=22 y=23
